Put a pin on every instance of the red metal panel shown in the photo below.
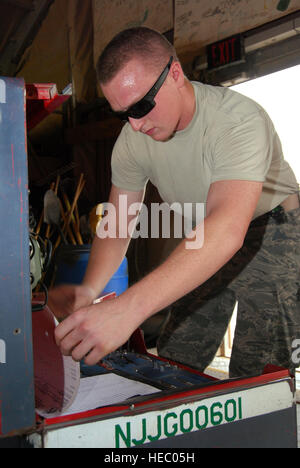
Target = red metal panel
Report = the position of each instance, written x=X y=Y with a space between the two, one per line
x=41 y=101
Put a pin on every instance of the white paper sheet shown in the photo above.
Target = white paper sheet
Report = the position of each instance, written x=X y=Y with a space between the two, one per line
x=72 y=381
x=102 y=390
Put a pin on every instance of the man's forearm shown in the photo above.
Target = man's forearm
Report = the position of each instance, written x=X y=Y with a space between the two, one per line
x=105 y=257
x=107 y=253
x=183 y=271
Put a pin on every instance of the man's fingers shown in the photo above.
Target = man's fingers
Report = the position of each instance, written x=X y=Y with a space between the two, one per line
x=75 y=345
x=61 y=331
x=90 y=333
x=69 y=343
x=66 y=327
x=74 y=338
x=81 y=350
x=94 y=356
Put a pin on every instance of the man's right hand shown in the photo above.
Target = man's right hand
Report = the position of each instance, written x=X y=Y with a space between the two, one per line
x=67 y=298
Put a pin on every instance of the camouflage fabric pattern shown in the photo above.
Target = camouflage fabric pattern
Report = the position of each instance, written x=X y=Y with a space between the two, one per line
x=264 y=277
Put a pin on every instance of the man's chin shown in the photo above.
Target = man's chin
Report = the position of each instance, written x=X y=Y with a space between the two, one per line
x=160 y=136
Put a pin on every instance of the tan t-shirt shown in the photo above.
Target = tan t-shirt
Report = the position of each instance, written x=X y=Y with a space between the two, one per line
x=230 y=137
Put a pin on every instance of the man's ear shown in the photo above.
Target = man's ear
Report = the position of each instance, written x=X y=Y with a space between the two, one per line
x=177 y=74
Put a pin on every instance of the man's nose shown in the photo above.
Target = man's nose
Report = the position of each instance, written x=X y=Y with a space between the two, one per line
x=136 y=124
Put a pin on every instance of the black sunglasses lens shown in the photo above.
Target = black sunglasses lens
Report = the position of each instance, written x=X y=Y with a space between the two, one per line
x=122 y=116
x=140 y=109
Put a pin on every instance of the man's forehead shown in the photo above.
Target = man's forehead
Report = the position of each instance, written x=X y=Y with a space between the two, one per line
x=129 y=85
x=135 y=72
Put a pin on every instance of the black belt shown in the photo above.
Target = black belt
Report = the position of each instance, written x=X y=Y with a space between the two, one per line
x=278 y=214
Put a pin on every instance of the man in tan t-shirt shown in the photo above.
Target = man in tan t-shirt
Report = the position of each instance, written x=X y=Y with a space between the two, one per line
x=197 y=144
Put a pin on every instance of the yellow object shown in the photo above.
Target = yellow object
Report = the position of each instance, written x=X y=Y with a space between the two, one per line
x=95 y=217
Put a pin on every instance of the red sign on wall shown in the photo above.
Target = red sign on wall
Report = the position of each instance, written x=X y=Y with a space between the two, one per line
x=226 y=52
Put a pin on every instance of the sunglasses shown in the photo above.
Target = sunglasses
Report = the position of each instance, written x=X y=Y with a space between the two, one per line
x=147 y=103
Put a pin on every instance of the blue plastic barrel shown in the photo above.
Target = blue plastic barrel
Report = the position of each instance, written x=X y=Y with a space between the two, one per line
x=71 y=263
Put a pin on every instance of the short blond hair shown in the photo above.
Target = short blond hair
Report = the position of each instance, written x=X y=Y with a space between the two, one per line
x=142 y=43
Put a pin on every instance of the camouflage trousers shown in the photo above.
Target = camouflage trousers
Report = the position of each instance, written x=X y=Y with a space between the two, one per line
x=264 y=277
